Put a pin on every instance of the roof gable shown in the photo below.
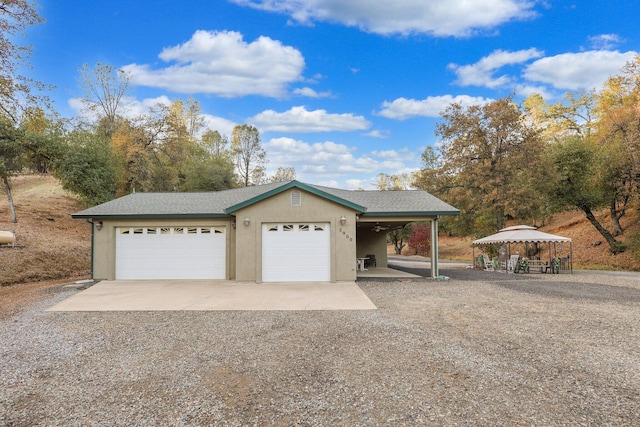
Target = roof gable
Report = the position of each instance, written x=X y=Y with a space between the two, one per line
x=301 y=186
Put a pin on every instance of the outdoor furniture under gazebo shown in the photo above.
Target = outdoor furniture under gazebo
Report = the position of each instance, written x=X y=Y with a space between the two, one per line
x=531 y=238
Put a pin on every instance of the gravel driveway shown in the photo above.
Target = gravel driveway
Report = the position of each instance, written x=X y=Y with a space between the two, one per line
x=479 y=349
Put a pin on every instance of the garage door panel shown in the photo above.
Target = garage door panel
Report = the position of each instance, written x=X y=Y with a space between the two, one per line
x=296 y=252
x=170 y=253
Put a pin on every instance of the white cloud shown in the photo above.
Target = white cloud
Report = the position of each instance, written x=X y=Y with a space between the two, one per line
x=299 y=119
x=222 y=125
x=439 y=18
x=432 y=106
x=482 y=72
x=382 y=134
x=222 y=63
x=575 y=71
x=605 y=41
x=326 y=163
x=310 y=93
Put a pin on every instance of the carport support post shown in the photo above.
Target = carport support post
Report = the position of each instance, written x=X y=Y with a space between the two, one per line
x=434 y=247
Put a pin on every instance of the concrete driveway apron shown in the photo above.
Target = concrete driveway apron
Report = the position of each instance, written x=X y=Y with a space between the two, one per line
x=172 y=295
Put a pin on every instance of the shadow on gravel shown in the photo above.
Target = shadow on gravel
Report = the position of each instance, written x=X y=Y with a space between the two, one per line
x=533 y=285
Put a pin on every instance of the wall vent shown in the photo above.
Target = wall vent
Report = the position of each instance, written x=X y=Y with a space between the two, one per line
x=295 y=198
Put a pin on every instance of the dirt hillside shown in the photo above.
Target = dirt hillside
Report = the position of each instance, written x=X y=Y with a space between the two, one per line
x=51 y=246
x=590 y=251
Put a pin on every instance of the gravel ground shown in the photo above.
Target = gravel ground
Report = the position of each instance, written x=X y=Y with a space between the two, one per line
x=479 y=349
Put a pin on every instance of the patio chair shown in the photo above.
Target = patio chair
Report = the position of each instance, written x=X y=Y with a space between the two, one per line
x=371 y=261
x=512 y=264
x=488 y=264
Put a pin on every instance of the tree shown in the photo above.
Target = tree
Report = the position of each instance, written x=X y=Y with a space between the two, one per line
x=11 y=151
x=398 y=237
x=420 y=239
x=87 y=168
x=283 y=174
x=250 y=157
x=575 y=182
x=216 y=143
x=386 y=182
x=42 y=139
x=16 y=90
x=104 y=89
x=132 y=158
x=209 y=173
x=619 y=131
x=490 y=165
x=575 y=117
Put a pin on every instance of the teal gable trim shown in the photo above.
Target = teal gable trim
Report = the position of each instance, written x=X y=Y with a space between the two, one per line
x=295 y=184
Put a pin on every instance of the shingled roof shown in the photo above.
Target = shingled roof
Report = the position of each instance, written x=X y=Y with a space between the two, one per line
x=224 y=203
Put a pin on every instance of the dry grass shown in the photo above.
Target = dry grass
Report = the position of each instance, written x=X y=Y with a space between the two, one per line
x=50 y=245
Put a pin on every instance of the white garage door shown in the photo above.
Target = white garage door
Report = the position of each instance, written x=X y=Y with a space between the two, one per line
x=170 y=253
x=296 y=253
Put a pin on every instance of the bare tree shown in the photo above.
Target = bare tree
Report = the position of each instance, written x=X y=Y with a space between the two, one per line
x=249 y=154
x=104 y=87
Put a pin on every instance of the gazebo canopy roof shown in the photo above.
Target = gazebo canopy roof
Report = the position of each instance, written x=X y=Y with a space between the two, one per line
x=520 y=234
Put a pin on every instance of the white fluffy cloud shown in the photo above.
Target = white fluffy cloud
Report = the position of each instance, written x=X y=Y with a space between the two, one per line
x=439 y=18
x=325 y=162
x=299 y=119
x=432 y=106
x=605 y=41
x=482 y=72
x=310 y=93
x=575 y=71
x=222 y=63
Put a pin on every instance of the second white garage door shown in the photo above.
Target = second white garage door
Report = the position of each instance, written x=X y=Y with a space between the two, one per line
x=296 y=253
x=170 y=253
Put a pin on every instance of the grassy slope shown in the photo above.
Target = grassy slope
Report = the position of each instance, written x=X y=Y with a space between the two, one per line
x=53 y=246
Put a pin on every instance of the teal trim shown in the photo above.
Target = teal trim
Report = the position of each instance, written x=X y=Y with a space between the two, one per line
x=301 y=186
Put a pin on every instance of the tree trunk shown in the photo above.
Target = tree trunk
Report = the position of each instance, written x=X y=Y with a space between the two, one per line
x=615 y=246
x=615 y=219
x=7 y=188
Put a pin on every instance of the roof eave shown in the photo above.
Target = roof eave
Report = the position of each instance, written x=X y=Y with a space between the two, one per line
x=411 y=213
x=149 y=216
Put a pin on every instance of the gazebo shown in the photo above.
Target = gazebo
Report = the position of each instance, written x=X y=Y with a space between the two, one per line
x=527 y=235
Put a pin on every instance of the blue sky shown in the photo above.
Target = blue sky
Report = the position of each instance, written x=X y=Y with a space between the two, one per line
x=341 y=90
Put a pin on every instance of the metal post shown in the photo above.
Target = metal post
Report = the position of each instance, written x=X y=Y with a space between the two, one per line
x=434 y=247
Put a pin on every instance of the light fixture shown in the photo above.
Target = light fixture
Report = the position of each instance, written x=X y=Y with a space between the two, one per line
x=343 y=220
x=246 y=220
x=99 y=225
x=233 y=224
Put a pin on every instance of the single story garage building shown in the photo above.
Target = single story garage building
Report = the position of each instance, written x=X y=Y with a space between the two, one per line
x=278 y=232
